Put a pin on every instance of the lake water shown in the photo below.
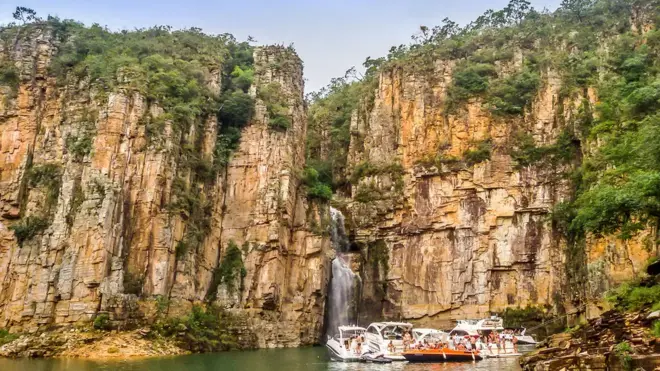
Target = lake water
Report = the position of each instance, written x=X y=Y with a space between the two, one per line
x=300 y=359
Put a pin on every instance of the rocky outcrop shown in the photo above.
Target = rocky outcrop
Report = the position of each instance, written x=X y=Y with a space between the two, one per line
x=101 y=235
x=80 y=344
x=466 y=238
x=593 y=346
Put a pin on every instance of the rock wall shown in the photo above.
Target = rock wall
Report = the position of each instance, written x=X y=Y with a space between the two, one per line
x=465 y=240
x=110 y=243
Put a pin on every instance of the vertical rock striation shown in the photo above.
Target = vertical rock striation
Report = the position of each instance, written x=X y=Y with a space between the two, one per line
x=444 y=238
x=100 y=235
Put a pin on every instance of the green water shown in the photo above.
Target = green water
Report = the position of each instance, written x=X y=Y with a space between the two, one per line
x=301 y=359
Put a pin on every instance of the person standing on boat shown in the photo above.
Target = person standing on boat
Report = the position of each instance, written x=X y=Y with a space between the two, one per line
x=354 y=344
x=515 y=344
x=406 y=340
x=390 y=347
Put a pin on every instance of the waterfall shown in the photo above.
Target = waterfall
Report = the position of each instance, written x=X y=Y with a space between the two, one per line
x=341 y=296
x=337 y=231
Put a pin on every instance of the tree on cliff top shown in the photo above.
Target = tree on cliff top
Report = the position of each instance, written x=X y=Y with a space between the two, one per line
x=25 y=15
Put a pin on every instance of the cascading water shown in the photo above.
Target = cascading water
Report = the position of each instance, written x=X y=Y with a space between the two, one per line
x=341 y=303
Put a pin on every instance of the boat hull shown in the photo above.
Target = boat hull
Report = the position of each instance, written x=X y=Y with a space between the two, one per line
x=337 y=353
x=439 y=355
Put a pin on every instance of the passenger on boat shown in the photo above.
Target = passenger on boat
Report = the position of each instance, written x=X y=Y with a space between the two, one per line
x=478 y=344
x=390 y=347
x=515 y=343
x=354 y=345
x=406 y=340
x=359 y=340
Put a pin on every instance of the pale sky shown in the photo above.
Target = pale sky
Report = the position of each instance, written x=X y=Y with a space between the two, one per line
x=330 y=36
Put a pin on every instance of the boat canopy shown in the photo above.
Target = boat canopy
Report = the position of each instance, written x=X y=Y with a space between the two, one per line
x=346 y=331
x=492 y=323
x=422 y=333
x=390 y=330
x=382 y=325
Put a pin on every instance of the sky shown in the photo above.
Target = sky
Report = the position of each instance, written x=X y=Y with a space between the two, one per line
x=330 y=36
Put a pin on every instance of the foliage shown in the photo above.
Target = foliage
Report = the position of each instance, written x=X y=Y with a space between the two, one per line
x=623 y=350
x=316 y=189
x=24 y=14
x=202 y=330
x=329 y=119
x=635 y=295
x=469 y=79
x=367 y=192
x=367 y=169
x=194 y=208
x=510 y=95
x=655 y=328
x=48 y=176
x=28 y=228
x=522 y=317
x=9 y=75
x=479 y=154
x=230 y=269
x=236 y=109
x=79 y=147
x=133 y=283
x=6 y=337
x=77 y=200
x=277 y=106
x=102 y=322
x=525 y=152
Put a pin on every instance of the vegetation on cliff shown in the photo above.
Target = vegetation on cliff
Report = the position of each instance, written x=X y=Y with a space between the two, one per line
x=209 y=329
x=602 y=50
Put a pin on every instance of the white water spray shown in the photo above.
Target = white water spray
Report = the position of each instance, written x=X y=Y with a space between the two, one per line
x=341 y=303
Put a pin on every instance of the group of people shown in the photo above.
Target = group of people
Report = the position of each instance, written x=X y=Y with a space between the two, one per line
x=490 y=341
x=355 y=344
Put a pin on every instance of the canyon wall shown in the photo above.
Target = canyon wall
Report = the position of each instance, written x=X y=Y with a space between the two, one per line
x=446 y=238
x=104 y=238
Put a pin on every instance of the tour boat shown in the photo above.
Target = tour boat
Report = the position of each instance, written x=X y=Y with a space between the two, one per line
x=519 y=333
x=429 y=334
x=379 y=335
x=485 y=326
x=339 y=346
x=441 y=355
x=475 y=327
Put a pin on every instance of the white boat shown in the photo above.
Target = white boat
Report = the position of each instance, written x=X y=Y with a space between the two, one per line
x=519 y=333
x=429 y=334
x=379 y=335
x=475 y=327
x=485 y=327
x=339 y=345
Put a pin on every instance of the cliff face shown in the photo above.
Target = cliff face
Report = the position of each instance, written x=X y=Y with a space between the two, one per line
x=103 y=236
x=450 y=239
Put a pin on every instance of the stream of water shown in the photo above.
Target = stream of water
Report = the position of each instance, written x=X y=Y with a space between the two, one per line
x=343 y=281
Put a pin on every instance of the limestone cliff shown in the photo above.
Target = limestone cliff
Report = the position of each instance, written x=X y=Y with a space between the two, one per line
x=444 y=237
x=100 y=235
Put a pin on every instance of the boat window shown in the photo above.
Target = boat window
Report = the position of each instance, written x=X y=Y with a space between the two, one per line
x=372 y=330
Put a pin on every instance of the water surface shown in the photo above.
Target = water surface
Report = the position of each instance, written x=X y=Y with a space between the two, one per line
x=300 y=359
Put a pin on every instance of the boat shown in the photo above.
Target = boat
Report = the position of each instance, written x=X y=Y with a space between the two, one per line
x=524 y=339
x=475 y=327
x=379 y=335
x=339 y=345
x=485 y=327
x=429 y=334
x=441 y=355
x=375 y=358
